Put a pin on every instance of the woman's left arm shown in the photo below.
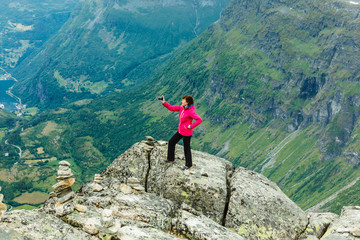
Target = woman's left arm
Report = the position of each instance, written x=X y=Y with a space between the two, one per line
x=197 y=118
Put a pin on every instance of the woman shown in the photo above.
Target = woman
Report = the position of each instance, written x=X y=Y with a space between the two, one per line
x=185 y=128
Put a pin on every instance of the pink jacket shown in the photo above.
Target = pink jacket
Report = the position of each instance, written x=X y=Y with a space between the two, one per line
x=186 y=116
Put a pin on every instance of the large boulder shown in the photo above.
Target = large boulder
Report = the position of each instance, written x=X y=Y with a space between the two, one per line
x=203 y=187
x=318 y=224
x=134 y=162
x=35 y=224
x=195 y=225
x=347 y=227
x=258 y=209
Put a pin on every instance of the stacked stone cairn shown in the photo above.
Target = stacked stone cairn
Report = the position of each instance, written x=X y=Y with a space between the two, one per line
x=134 y=183
x=2 y=206
x=62 y=194
x=97 y=183
x=152 y=142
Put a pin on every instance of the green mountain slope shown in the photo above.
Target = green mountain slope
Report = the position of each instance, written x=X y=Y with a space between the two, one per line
x=110 y=45
x=25 y=25
x=276 y=84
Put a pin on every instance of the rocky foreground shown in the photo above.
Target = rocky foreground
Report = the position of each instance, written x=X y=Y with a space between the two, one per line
x=140 y=197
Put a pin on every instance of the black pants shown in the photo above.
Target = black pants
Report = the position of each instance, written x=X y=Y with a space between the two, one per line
x=187 y=151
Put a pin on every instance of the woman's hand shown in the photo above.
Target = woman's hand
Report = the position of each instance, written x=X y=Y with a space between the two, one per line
x=163 y=99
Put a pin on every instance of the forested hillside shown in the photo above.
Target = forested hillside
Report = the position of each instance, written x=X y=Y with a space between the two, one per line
x=110 y=45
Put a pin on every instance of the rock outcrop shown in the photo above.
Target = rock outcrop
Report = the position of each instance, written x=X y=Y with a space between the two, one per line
x=138 y=196
x=258 y=209
x=347 y=226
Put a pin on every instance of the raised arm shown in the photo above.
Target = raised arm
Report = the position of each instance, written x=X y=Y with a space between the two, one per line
x=172 y=108
x=197 y=118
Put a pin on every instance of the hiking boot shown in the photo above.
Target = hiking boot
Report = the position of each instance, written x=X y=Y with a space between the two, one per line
x=168 y=161
x=185 y=167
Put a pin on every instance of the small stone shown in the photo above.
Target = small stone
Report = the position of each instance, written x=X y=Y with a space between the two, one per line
x=205 y=174
x=97 y=187
x=107 y=218
x=63 y=168
x=97 y=175
x=64 y=163
x=162 y=143
x=150 y=143
x=66 y=198
x=125 y=189
x=1 y=197
x=63 y=184
x=149 y=138
x=89 y=226
x=98 y=178
x=64 y=173
x=64 y=177
x=138 y=187
x=52 y=194
x=62 y=209
x=132 y=180
x=80 y=208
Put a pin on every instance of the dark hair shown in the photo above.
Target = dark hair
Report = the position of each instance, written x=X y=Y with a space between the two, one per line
x=188 y=99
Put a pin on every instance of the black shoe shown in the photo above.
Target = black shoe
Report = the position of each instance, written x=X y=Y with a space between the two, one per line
x=185 y=167
x=169 y=161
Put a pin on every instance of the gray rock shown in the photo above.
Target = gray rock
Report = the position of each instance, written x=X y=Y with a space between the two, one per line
x=65 y=173
x=64 y=163
x=137 y=187
x=107 y=218
x=137 y=233
x=34 y=224
x=97 y=187
x=62 y=209
x=125 y=188
x=66 y=197
x=80 y=208
x=63 y=168
x=132 y=180
x=162 y=143
x=200 y=227
x=318 y=224
x=205 y=194
x=146 y=207
x=132 y=163
x=259 y=209
x=347 y=226
x=149 y=138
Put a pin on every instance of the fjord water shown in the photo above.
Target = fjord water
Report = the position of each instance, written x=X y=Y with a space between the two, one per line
x=9 y=102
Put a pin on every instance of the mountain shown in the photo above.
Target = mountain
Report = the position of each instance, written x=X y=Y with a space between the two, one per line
x=276 y=84
x=138 y=196
x=25 y=25
x=108 y=46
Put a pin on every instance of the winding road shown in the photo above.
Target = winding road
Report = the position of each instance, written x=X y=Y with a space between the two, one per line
x=8 y=92
x=20 y=151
